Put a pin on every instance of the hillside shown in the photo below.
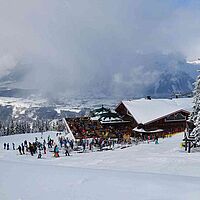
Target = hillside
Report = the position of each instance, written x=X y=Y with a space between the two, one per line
x=144 y=171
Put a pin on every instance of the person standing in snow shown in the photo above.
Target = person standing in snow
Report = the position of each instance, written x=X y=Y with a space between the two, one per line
x=7 y=146
x=49 y=144
x=31 y=148
x=84 y=144
x=13 y=144
x=72 y=144
x=156 y=140
x=4 y=145
x=113 y=144
x=67 y=149
x=26 y=145
x=20 y=149
x=23 y=148
x=56 y=151
x=61 y=141
x=45 y=149
x=90 y=145
x=34 y=147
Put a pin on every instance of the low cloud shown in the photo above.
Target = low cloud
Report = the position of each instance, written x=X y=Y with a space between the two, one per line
x=102 y=47
x=7 y=64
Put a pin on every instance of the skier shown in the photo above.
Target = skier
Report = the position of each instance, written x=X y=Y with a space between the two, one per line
x=31 y=148
x=113 y=144
x=72 y=144
x=20 y=149
x=45 y=149
x=67 y=149
x=156 y=140
x=90 y=146
x=49 y=143
x=7 y=146
x=84 y=144
x=13 y=144
x=34 y=147
x=56 y=151
x=26 y=145
x=4 y=145
x=61 y=141
x=23 y=149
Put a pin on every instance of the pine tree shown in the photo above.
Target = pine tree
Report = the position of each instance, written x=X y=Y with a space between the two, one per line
x=4 y=130
x=12 y=128
x=17 y=128
x=8 y=131
x=195 y=115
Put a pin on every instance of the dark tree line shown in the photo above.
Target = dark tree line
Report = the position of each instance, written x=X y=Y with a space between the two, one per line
x=21 y=127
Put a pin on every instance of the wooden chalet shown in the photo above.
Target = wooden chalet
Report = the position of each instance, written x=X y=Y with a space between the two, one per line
x=102 y=122
x=154 y=114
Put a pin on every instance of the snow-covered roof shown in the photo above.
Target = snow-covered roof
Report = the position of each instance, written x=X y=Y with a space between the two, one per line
x=194 y=62
x=68 y=131
x=145 y=111
x=96 y=118
x=143 y=131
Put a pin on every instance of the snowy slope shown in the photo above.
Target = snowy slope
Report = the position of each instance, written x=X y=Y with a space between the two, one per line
x=170 y=83
x=145 y=171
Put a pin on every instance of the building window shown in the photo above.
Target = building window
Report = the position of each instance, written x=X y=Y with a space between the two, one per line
x=175 y=117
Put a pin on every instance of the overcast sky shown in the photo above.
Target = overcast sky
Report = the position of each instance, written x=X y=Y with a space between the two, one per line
x=70 y=45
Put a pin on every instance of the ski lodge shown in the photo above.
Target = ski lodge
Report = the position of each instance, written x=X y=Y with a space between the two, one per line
x=155 y=116
x=141 y=117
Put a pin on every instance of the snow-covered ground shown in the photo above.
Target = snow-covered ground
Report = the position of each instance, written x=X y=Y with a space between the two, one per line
x=144 y=171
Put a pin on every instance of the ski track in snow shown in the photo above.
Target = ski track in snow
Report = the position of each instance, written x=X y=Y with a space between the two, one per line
x=144 y=171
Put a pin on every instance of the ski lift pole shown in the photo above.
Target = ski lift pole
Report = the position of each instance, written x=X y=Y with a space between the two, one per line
x=185 y=139
x=189 y=147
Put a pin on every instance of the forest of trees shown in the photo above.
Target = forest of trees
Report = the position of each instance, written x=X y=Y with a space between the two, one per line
x=21 y=127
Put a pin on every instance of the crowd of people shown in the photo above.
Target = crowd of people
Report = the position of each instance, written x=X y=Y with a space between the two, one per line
x=62 y=144
x=66 y=146
x=40 y=146
x=28 y=147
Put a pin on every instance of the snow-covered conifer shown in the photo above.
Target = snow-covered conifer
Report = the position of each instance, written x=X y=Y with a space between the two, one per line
x=195 y=115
